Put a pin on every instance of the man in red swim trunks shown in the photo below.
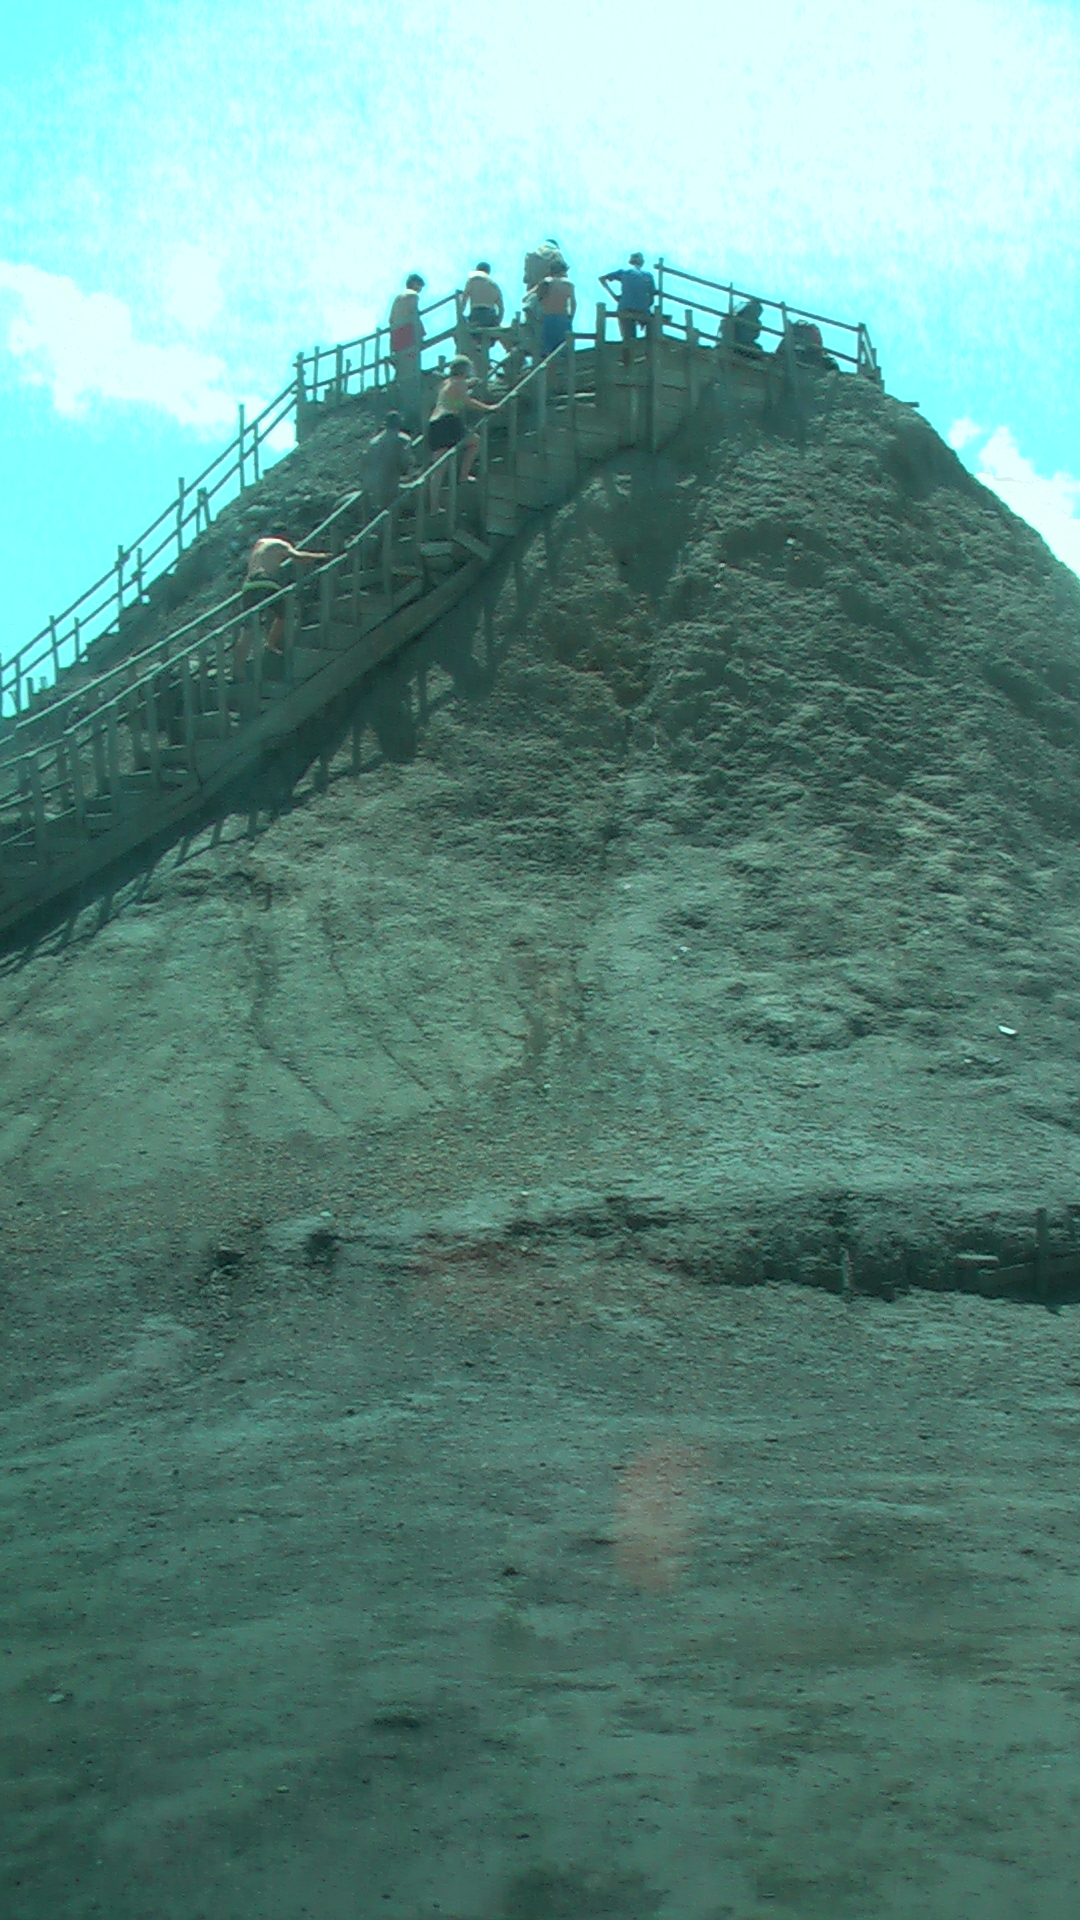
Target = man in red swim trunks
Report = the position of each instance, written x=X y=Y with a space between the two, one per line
x=406 y=340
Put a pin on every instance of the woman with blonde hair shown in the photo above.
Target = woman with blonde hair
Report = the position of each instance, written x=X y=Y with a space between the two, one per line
x=447 y=426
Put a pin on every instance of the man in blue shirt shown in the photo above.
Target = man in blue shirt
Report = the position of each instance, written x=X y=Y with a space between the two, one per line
x=635 y=295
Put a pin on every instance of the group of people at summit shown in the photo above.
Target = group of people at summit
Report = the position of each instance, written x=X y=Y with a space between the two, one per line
x=547 y=319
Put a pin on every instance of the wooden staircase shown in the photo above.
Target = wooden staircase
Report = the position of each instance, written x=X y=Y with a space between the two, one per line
x=140 y=750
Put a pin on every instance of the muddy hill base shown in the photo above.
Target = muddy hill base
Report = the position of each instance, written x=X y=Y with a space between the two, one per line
x=711 y=876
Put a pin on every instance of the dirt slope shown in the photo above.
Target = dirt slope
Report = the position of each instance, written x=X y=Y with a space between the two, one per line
x=707 y=855
x=398 y=1518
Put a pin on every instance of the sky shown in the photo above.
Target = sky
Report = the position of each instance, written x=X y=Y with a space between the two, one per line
x=192 y=192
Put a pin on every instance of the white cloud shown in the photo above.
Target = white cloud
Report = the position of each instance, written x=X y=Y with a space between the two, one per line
x=192 y=287
x=82 y=346
x=1051 y=506
x=963 y=432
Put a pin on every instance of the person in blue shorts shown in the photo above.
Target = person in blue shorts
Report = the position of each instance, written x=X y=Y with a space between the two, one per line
x=556 y=303
x=635 y=291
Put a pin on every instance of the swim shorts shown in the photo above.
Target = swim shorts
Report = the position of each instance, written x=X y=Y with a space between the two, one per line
x=445 y=430
x=553 y=331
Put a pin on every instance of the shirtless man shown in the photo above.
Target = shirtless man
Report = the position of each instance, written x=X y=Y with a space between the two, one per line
x=406 y=340
x=556 y=303
x=482 y=307
x=261 y=582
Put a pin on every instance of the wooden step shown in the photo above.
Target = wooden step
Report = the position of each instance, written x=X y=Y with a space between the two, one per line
x=472 y=543
x=309 y=660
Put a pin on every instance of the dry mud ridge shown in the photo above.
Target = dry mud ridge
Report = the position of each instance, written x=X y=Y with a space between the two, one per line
x=495 y=1421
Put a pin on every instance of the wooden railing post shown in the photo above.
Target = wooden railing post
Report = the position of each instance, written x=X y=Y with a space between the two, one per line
x=599 y=381
x=150 y=720
x=482 y=476
x=289 y=642
x=187 y=693
x=571 y=384
x=112 y=748
x=339 y=375
x=31 y=776
x=78 y=792
x=300 y=398
x=221 y=675
x=653 y=334
x=180 y=517
x=388 y=557
x=315 y=377
x=541 y=406
x=326 y=599
x=120 y=557
x=55 y=648
x=138 y=578
x=240 y=444
x=255 y=450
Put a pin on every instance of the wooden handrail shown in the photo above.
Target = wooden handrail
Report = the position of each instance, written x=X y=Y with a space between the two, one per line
x=100 y=609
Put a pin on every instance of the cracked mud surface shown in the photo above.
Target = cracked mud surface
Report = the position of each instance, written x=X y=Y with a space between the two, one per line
x=700 y=906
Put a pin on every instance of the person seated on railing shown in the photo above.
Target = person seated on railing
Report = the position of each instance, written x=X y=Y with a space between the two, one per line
x=482 y=307
x=740 y=331
x=262 y=581
x=635 y=293
x=809 y=348
x=556 y=304
x=406 y=341
x=386 y=460
x=447 y=427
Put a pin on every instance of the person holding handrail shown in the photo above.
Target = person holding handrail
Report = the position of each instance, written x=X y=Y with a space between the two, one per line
x=385 y=462
x=261 y=582
x=635 y=293
x=447 y=427
x=406 y=341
